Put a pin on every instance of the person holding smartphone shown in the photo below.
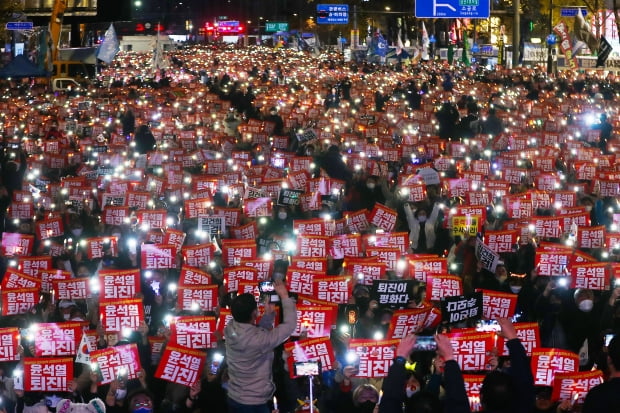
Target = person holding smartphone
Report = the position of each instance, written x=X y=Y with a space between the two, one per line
x=249 y=350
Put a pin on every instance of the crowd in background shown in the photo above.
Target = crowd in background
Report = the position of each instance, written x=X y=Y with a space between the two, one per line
x=343 y=117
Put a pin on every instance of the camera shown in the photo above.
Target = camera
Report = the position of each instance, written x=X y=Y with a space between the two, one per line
x=307 y=368
x=425 y=343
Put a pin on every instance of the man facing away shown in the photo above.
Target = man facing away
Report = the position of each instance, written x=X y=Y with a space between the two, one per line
x=249 y=350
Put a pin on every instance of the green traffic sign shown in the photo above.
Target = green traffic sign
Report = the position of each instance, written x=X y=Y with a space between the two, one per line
x=276 y=27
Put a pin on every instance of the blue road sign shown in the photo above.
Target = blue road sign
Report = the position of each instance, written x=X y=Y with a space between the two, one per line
x=572 y=12
x=19 y=26
x=332 y=13
x=473 y=9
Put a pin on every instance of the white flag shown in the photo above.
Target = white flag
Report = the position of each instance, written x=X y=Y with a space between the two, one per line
x=109 y=47
x=425 y=42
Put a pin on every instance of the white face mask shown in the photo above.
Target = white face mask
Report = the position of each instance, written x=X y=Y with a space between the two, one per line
x=370 y=185
x=586 y=306
x=515 y=289
x=422 y=218
x=588 y=208
x=66 y=316
x=120 y=394
x=77 y=231
x=411 y=391
x=282 y=215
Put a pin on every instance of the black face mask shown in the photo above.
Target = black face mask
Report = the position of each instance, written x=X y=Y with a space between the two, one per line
x=367 y=407
x=556 y=307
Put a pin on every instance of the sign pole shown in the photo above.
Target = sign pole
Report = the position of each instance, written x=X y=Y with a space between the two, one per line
x=516 y=33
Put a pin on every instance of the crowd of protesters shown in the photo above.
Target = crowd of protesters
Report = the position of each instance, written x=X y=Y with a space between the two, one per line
x=232 y=130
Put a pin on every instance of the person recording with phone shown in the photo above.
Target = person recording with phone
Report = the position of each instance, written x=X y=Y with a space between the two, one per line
x=250 y=350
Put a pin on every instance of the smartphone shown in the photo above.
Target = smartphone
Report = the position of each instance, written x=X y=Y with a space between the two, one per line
x=216 y=362
x=307 y=368
x=266 y=287
x=488 y=325
x=608 y=338
x=425 y=343
x=352 y=359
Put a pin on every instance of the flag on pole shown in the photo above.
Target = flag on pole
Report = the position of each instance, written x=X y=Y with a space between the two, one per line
x=604 y=49
x=425 y=42
x=109 y=47
x=381 y=46
x=465 y=56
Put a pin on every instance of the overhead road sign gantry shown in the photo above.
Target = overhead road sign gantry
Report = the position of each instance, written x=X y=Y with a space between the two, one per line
x=448 y=9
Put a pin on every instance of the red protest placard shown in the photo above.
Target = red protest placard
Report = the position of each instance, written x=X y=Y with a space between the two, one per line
x=315 y=226
x=19 y=301
x=118 y=285
x=472 y=348
x=548 y=227
x=174 y=237
x=440 y=286
x=193 y=276
x=310 y=264
x=407 y=321
x=552 y=263
x=248 y=231
x=155 y=256
x=357 y=221
x=313 y=349
x=398 y=240
x=258 y=207
x=234 y=252
x=198 y=255
x=14 y=280
x=575 y=386
x=9 y=342
x=473 y=384
x=501 y=241
x=57 y=339
x=315 y=321
x=50 y=228
x=14 y=244
x=421 y=267
x=265 y=268
x=195 y=332
x=151 y=218
x=387 y=255
x=332 y=289
x=593 y=276
x=111 y=361
x=346 y=245
x=116 y=215
x=48 y=375
x=200 y=207
x=546 y=362
x=312 y=246
x=383 y=217
x=375 y=356
x=180 y=365
x=364 y=270
x=591 y=237
x=121 y=314
x=34 y=265
x=496 y=304
x=528 y=334
x=98 y=247
x=204 y=297
x=232 y=276
x=301 y=281
x=71 y=289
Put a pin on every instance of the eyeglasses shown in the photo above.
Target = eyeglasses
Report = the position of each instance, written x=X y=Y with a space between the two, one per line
x=144 y=403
